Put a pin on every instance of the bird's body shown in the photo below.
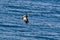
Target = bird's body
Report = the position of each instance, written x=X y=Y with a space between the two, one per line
x=25 y=18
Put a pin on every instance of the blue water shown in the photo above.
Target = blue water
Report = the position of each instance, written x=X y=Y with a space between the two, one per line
x=44 y=20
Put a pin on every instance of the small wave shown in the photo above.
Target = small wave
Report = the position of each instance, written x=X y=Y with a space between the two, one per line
x=11 y=26
x=38 y=37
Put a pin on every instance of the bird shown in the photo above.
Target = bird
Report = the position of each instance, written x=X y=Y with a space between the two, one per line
x=25 y=18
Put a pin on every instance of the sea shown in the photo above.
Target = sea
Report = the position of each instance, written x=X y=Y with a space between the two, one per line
x=43 y=16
